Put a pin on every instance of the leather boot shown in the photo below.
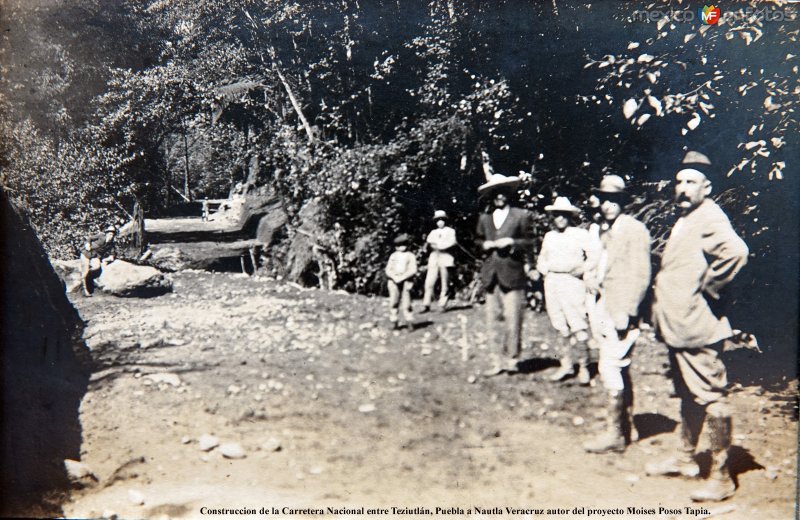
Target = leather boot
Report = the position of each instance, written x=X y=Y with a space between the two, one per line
x=613 y=439
x=684 y=464
x=720 y=484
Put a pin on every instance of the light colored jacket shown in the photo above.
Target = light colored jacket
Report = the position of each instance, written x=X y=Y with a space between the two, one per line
x=626 y=266
x=571 y=251
x=402 y=265
x=441 y=240
x=702 y=255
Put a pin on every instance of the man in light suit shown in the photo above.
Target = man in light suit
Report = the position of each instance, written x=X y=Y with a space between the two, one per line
x=506 y=236
x=617 y=286
x=441 y=241
x=702 y=255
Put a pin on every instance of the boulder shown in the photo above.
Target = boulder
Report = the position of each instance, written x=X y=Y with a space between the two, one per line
x=122 y=278
x=69 y=271
x=271 y=225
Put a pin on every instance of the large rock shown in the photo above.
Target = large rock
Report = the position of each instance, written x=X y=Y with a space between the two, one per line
x=122 y=278
x=44 y=373
x=271 y=225
x=70 y=273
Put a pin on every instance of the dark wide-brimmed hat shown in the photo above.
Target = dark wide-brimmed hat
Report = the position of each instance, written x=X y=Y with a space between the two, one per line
x=402 y=240
x=499 y=182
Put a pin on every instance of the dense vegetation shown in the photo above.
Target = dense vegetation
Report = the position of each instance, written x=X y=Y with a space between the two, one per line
x=381 y=111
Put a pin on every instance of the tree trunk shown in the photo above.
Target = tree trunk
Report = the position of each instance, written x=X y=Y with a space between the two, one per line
x=186 y=194
x=295 y=104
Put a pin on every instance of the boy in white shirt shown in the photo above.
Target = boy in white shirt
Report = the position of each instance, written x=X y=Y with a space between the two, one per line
x=400 y=269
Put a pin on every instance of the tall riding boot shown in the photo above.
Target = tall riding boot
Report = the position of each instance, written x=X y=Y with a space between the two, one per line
x=692 y=416
x=613 y=439
x=720 y=483
x=631 y=433
x=582 y=354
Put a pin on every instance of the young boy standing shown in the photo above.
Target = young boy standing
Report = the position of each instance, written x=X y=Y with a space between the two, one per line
x=400 y=269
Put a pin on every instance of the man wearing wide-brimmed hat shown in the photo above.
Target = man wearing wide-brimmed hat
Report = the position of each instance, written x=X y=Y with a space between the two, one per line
x=506 y=236
x=567 y=253
x=617 y=287
x=440 y=261
x=703 y=254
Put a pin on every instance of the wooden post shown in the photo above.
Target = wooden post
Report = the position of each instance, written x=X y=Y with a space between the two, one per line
x=252 y=252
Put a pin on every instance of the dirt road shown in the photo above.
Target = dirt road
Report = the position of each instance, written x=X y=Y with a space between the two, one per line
x=330 y=408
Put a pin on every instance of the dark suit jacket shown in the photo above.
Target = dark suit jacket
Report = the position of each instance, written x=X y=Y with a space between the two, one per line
x=506 y=266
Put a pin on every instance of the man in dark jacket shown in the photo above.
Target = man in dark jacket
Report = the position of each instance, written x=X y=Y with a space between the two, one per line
x=506 y=236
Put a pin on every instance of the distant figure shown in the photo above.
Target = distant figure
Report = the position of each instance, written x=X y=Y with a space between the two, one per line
x=97 y=252
x=703 y=254
x=567 y=253
x=400 y=269
x=440 y=261
x=506 y=237
x=205 y=210
x=617 y=286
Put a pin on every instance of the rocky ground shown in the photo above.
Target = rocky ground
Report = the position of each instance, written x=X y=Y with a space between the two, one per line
x=236 y=392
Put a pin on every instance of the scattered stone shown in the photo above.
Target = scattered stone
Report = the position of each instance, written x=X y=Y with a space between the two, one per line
x=316 y=470
x=165 y=377
x=544 y=346
x=207 y=442
x=366 y=408
x=233 y=389
x=772 y=473
x=272 y=444
x=109 y=515
x=632 y=478
x=135 y=497
x=471 y=379
x=186 y=439
x=577 y=420
x=232 y=450
x=401 y=376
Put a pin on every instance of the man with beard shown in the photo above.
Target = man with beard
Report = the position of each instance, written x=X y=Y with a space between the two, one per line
x=703 y=254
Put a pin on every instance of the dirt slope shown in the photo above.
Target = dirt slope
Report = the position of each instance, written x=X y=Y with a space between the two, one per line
x=364 y=416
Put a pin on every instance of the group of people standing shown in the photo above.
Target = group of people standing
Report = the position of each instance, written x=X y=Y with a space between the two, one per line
x=595 y=281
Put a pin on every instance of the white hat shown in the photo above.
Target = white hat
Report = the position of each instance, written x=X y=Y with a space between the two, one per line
x=439 y=214
x=498 y=181
x=562 y=204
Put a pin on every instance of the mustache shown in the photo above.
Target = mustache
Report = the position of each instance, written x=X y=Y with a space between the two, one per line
x=681 y=197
